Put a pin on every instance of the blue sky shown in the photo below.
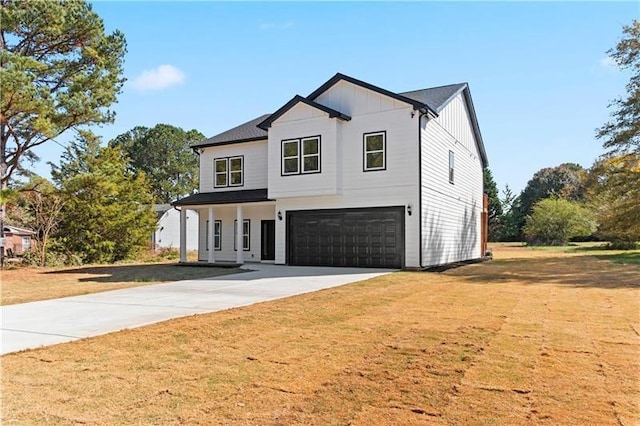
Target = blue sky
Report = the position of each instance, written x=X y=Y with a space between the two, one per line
x=538 y=72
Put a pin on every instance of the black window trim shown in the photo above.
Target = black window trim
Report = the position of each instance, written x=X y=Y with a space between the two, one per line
x=227 y=161
x=219 y=247
x=301 y=155
x=282 y=157
x=365 y=152
x=452 y=167
x=216 y=173
x=235 y=235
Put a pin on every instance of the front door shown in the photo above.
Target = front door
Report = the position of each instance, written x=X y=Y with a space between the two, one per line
x=268 y=249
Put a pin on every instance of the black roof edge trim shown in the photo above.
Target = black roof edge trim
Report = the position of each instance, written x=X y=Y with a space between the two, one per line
x=294 y=101
x=476 y=127
x=336 y=78
x=197 y=146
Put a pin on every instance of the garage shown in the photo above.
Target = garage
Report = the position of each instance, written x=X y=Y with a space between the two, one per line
x=372 y=237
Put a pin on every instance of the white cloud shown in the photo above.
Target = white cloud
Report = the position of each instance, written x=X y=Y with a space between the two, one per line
x=272 y=26
x=158 y=78
x=608 y=63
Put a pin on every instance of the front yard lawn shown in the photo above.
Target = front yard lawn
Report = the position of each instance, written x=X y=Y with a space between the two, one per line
x=30 y=284
x=534 y=337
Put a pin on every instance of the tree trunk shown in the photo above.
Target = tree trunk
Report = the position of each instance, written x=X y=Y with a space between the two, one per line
x=3 y=187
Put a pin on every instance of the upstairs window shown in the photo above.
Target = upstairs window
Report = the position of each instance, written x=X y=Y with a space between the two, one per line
x=228 y=171
x=311 y=155
x=375 y=151
x=291 y=157
x=301 y=156
x=451 y=166
x=221 y=172
x=235 y=171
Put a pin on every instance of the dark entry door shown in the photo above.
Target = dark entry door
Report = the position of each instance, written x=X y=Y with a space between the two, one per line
x=351 y=237
x=268 y=249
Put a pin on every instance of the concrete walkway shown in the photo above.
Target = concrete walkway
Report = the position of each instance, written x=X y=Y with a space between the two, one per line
x=48 y=322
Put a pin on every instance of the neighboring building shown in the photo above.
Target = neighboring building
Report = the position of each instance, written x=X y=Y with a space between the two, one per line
x=167 y=233
x=351 y=175
x=17 y=240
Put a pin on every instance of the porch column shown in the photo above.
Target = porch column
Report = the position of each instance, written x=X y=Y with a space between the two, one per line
x=183 y=234
x=210 y=237
x=239 y=233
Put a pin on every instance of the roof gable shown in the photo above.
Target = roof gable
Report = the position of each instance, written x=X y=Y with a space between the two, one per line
x=295 y=101
x=417 y=104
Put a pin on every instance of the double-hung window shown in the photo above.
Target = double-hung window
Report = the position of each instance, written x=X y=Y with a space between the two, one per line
x=246 y=234
x=217 y=235
x=451 y=166
x=228 y=171
x=375 y=145
x=221 y=166
x=300 y=156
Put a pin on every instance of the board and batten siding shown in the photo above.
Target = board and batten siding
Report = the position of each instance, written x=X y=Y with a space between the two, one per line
x=303 y=121
x=343 y=161
x=254 y=165
x=451 y=213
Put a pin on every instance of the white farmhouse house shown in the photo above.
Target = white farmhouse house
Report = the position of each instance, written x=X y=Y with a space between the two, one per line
x=351 y=175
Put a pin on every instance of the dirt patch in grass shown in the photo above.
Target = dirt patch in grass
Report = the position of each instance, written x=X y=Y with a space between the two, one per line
x=549 y=339
x=30 y=284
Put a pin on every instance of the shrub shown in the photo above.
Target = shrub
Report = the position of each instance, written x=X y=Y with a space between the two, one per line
x=554 y=221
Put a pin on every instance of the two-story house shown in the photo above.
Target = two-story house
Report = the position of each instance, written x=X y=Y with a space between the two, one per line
x=350 y=175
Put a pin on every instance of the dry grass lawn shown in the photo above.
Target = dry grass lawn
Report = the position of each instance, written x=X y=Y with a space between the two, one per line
x=30 y=284
x=533 y=337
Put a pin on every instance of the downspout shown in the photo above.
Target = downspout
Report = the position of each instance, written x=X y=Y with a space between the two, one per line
x=420 y=114
x=423 y=112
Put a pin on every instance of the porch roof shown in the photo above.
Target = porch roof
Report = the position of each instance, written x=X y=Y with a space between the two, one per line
x=224 y=197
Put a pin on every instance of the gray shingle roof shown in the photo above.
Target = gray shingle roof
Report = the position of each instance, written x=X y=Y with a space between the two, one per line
x=435 y=97
x=224 y=197
x=246 y=132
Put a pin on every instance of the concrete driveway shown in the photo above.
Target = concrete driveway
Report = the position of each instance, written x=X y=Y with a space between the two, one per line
x=48 y=322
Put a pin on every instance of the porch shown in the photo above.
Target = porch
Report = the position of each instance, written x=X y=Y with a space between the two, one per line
x=221 y=241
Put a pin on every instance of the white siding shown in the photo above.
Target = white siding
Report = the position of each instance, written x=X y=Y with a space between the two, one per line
x=299 y=122
x=255 y=165
x=451 y=213
x=227 y=214
x=355 y=188
x=167 y=234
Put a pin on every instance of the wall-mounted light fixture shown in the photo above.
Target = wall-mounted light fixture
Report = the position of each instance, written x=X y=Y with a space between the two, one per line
x=409 y=209
x=279 y=215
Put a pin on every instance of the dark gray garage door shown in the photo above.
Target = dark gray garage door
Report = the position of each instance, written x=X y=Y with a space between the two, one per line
x=351 y=237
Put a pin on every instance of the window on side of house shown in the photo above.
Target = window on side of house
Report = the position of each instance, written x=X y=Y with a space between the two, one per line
x=221 y=168
x=311 y=155
x=375 y=145
x=235 y=171
x=217 y=235
x=26 y=243
x=246 y=234
x=451 y=166
x=291 y=157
